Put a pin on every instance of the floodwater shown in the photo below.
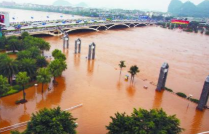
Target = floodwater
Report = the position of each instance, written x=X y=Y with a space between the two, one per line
x=102 y=91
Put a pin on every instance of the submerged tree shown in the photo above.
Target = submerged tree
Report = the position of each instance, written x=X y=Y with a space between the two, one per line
x=122 y=65
x=56 y=67
x=22 y=79
x=144 y=122
x=133 y=71
x=57 y=54
x=43 y=77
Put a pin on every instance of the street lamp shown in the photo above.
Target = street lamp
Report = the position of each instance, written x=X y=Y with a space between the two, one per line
x=190 y=96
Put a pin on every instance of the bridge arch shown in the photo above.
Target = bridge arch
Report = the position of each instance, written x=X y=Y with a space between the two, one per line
x=118 y=25
x=140 y=25
x=81 y=29
x=100 y=28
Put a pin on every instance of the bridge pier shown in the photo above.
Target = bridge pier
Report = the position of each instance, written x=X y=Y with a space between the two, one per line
x=91 y=54
x=162 y=77
x=204 y=95
x=78 y=44
x=65 y=40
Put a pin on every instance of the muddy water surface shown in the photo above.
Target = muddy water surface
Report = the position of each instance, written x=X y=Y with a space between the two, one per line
x=102 y=91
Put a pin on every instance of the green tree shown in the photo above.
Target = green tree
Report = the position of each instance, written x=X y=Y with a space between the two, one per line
x=35 y=52
x=43 y=77
x=57 y=54
x=13 y=44
x=24 y=34
x=8 y=66
x=43 y=45
x=51 y=121
x=22 y=79
x=144 y=122
x=41 y=61
x=56 y=67
x=122 y=65
x=133 y=71
x=4 y=86
x=28 y=65
x=23 y=54
x=3 y=41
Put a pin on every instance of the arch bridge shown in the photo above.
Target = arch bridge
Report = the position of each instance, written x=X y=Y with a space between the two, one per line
x=59 y=30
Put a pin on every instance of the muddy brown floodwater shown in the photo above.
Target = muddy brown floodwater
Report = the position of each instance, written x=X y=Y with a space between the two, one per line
x=98 y=86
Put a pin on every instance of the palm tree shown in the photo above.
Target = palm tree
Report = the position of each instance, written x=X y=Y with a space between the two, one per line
x=56 y=67
x=13 y=44
x=133 y=71
x=4 y=86
x=122 y=65
x=22 y=79
x=43 y=45
x=43 y=76
x=8 y=67
x=28 y=65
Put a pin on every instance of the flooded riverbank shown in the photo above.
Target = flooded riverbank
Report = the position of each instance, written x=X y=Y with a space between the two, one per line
x=98 y=85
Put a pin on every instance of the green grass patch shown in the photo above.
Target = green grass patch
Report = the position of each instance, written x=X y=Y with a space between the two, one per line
x=168 y=89
x=181 y=95
x=194 y=100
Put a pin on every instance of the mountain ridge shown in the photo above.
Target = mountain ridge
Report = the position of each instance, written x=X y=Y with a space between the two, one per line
x=189 y=9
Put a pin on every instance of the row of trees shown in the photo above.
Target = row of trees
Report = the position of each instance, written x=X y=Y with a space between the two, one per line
x=29 y=57
x=30 y=64
x=141 y=121
x=43 y=75
x=133 y=69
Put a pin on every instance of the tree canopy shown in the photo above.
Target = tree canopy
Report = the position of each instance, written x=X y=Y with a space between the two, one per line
x=43 y=76
x=4 y=86
x=133 y=71
x=51 y=121
x=57 y=54
x=144 y=122
x=122 y=65
x=56 y=67
x=22 y=79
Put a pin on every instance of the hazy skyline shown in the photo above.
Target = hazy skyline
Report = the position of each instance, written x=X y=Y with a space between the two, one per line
x=159 y=5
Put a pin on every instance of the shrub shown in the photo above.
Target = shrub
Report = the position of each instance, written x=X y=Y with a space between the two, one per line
x=188 y=30
x=168 y=89
x=207 y=32
x=12 y=91
x=194 y=100
x=17 y=87
x=181 y=95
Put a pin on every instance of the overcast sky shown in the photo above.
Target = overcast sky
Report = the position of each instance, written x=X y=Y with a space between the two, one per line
x=156 y=5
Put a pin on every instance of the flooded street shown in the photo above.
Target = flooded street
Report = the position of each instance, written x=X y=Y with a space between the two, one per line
x=102 y=91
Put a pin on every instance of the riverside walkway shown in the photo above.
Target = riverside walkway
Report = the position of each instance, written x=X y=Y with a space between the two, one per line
x=57 y=30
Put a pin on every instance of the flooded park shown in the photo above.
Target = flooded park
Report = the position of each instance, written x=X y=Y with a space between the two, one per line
x=98 y=85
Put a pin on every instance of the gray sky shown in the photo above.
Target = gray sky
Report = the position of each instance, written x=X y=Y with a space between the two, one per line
x=156 y=5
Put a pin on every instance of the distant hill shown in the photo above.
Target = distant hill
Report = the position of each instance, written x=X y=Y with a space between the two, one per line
x=177 y=8
x=62 y=3
x=81 y=4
